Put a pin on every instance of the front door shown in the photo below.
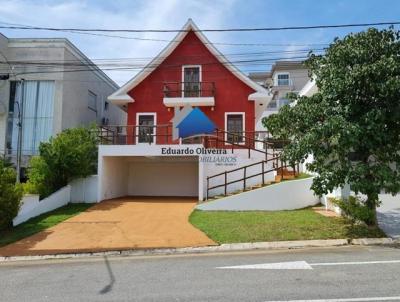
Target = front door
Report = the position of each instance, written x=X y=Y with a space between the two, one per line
x=146 y=129
x=191 y=81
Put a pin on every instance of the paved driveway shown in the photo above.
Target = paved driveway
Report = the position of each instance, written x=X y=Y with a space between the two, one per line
x=125 y=223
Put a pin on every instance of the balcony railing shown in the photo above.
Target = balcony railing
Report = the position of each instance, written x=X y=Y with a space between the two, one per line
x=162 y=135
x=189 y=89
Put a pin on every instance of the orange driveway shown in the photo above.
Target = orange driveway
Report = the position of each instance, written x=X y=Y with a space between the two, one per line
x=118 y=224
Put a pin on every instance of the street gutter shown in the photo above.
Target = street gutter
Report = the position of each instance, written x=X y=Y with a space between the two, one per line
x=276 y=245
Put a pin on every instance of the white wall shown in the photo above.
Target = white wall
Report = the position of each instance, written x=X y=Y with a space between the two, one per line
x=163 y=178
x=288 y=195
x=84 y=189
x=79 y=190
x=32 y=207
x=76 y=88
x=113 y=177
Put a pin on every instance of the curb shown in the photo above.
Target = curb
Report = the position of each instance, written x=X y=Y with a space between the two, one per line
x=276 y=245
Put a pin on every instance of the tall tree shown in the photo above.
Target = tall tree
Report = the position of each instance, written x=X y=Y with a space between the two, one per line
x=351 y=126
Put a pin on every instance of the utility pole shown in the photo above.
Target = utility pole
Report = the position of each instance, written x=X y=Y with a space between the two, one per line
x=19 y=124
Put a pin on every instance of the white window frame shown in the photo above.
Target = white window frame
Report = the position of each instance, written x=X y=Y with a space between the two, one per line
x=183 y=76
x=154 y=114
x=282 y=73
x=243 y=114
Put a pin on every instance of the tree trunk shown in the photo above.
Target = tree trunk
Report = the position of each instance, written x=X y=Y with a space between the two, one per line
x=372 y=200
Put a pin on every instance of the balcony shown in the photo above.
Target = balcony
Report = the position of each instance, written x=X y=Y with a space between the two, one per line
x=189 y=93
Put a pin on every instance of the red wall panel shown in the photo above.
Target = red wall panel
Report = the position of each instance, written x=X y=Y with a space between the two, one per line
x=231 y=94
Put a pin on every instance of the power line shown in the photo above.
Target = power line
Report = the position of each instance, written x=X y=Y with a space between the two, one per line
x=204 y=30
x=141 y=63
x=248 y=62
x=185 y=56
x=169 y=41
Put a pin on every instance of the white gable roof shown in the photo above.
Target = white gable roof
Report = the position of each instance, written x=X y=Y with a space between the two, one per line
x=121 y=96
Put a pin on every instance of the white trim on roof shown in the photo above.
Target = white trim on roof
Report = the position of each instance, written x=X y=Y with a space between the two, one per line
x=121 y=96
x=309 y=88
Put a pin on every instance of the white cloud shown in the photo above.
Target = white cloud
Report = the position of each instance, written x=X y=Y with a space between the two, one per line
x=160 y=14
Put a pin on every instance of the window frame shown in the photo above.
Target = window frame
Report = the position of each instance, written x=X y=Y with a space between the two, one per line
x=243 y=114
x=36 y=115
x=138 y=114
x=183 y=77
x=280 y=74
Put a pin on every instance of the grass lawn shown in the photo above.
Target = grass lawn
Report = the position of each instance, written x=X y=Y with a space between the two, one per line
x=42 y=222
x=231 y=227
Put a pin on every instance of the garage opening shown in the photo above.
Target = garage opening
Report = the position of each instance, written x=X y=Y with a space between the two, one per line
x=150 y=176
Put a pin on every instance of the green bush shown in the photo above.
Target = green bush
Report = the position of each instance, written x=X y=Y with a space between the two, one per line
x=354 y=208
x=10 y=195
x=69 y=155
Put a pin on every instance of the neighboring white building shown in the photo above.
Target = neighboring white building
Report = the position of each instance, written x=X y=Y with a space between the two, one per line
x=62 y=89
x=284 y=77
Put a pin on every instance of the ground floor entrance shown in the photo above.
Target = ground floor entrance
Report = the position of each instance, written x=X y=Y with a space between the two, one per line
x=149 y=176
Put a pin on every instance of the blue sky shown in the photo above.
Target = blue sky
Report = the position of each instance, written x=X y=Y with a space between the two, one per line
x=173 y=14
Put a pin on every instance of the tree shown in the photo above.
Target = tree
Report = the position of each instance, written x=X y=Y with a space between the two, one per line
x=10 y=195
x=351 y=126
x=69 y=155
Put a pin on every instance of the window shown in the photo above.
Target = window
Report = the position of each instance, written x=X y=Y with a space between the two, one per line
x=37 y=106
x=92 y=101
x=283 y=102
x=235 y=127
x=191 y=81
x=105 y=106
x=283 y=79
x=146 y=131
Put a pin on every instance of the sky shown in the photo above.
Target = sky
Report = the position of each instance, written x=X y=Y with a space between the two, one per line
x=172 y=14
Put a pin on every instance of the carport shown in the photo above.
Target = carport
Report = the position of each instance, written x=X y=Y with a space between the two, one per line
x=148 y=176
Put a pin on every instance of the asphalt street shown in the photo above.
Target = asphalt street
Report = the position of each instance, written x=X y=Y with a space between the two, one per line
x=329 y=274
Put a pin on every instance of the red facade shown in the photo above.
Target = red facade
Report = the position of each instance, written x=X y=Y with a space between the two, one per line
x=231 y=94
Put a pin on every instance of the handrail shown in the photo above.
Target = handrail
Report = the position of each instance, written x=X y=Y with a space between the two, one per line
x=162 y=134
x=131 y=134
x=242 y=167
x=248 y=142
x=238 y=180
x=245 y=177
x=194 y=89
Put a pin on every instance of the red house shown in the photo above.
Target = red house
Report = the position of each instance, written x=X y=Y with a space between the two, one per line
x=189 y=73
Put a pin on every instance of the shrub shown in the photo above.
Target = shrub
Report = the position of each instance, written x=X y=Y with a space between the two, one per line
x=69 y=155
x=39 y=175
x=354 y=208
x=10 y=195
